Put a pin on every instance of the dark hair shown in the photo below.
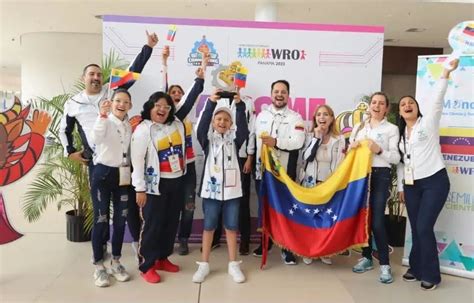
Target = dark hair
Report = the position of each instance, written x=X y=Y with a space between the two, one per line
x=121 y=90
x=402 y=124
x=150 y=104
x=287 y=84
x=175 y=86
x=89 y=65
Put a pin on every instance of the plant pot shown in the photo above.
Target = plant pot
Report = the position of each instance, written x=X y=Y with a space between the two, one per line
x=75 y=228
x=395 y=227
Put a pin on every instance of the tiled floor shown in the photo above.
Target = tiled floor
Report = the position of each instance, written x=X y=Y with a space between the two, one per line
x=44 y=267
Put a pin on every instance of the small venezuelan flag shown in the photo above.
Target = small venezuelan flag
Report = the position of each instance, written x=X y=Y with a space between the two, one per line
x=120 y=77
x=240 y=77
x=171 y=33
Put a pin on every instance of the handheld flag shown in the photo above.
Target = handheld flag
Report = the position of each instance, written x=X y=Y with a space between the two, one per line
x=171 y=33
x=120 y=77
x=319 y=221
x=240 y=77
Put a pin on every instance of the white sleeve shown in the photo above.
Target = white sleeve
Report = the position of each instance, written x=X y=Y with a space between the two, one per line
x=434 y=111
x=392 y=155
x=296 y=135
x=139 y=146
x=99 y=131
x=400 y=176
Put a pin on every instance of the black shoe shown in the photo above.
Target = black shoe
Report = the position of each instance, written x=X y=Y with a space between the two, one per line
x=183 y=248
x=409 y=277
x=428 y=285
x=244 y=248
x=257 y=252
x=288 y=257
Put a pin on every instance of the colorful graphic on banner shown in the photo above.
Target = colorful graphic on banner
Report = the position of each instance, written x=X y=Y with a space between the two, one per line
x=21 y=145
x=455 y=241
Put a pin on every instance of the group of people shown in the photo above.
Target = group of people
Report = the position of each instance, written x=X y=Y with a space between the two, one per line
x=148 y=171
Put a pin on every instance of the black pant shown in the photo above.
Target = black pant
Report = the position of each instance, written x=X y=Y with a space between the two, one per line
x=188 y=200
x=380 y=183
x=160 y=217
x=133 y=218
x=424 y=201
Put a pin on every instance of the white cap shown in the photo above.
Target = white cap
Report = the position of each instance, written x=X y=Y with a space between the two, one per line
x=222 y=108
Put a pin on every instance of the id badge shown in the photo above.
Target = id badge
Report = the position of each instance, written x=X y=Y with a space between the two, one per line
x=174 y=163
x=125 y=175
x=230 y=177
x=409 y=178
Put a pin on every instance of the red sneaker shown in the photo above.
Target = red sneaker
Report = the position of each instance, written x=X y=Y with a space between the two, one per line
x=151 y=276
x=166 y=265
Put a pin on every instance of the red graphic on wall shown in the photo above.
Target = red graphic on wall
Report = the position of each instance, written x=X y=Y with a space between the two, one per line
x=21 y=145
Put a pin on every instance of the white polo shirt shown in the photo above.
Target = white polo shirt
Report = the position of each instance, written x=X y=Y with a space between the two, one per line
x=386 y=135
x=111 y=138
x=423 y=145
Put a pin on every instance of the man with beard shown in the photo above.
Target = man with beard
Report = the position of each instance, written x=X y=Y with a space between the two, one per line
x=82 y=109
x=279 y=127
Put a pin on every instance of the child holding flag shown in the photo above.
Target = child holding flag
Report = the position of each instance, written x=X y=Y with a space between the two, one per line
x=111 y=180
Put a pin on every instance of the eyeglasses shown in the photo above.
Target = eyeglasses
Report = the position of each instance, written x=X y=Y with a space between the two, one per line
x=163 y=107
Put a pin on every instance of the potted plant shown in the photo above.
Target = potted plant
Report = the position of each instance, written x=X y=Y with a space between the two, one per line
x=59 y=179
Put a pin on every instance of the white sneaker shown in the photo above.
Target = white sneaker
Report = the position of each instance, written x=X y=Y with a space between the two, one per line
x=235 y=272
x=202 y=272
x=326 y=260
x=101 y=278
x=118 y=271
x=307 y=261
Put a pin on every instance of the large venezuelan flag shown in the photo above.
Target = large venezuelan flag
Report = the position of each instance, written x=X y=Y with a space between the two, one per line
x=319 y=221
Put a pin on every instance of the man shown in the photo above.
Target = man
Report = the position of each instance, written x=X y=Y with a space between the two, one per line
x=82 y=109
x=281 y=128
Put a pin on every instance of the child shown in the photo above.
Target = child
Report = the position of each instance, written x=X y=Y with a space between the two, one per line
x=111 y=179
x=221 y=186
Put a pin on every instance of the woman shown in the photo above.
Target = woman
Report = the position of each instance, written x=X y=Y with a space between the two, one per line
x=383 y=139
x=159 y=162
x=324 y=152
x=426 y=184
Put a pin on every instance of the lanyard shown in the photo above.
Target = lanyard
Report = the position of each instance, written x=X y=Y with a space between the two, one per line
x=216 y=152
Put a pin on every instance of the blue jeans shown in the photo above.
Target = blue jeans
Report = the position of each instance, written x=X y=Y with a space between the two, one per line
x=213 y=209
x=188 y=202
x=104 y=187
x=380 y=183
x=424 y=201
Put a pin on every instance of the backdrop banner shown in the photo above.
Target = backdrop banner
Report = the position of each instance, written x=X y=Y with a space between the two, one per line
x=325 y=64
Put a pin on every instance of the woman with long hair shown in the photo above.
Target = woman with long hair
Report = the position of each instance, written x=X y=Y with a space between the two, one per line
x=423 y=182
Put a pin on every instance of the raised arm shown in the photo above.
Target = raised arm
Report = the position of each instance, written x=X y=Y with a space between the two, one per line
x=140 y=61
x=242 y=132
x=434 y=111
x=184 y=107
x=205 y=122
